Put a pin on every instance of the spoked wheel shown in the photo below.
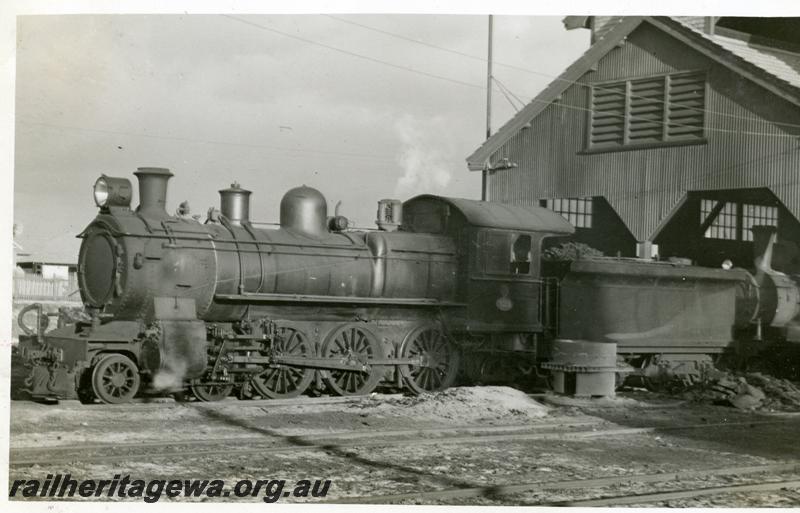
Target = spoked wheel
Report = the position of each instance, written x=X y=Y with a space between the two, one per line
x=439 y=360
x=115 y=379
x=211 y=393
x=281 y=381
x=353 y=345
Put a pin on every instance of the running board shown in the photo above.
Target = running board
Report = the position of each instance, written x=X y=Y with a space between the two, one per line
x=253 y=297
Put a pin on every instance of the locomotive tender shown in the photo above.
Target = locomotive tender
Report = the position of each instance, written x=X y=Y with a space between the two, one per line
x=445 y=285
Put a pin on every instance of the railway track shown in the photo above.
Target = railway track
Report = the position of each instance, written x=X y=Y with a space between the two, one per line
x=503 y=489
x=273 y=441
x=276 y=441
x=326 y=434
x=143 y=405
x=658 y=497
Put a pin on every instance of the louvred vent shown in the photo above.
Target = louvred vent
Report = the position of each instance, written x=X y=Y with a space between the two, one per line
x=686 y=106
x=608 y=119
x=644 y=112
x=646 y=119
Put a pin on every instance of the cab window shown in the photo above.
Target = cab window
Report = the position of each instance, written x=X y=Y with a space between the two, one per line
x=521 y=255
x=506 y=253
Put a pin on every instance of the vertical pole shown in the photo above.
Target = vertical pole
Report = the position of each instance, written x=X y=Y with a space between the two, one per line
x=488 y=108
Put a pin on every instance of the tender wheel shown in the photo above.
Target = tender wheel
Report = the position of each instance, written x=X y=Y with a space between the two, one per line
x=115 y=379
x=211 y=393
x=281 y=381
x=354 y=345
x=439 y=360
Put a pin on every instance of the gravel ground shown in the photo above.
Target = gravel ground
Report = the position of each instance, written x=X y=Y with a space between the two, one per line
x=357 y=471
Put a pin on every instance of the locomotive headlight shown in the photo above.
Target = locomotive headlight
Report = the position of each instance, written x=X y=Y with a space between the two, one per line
x=112 y=192
x=101 y=192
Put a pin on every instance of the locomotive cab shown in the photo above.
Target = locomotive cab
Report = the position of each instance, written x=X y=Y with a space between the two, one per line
x=499 y=269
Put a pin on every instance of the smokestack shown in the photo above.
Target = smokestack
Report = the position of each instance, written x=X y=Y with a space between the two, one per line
x=234 y=203
x=764 y=238
x=153 y=191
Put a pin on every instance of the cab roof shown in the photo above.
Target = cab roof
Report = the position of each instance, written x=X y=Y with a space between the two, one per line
x=504 y=216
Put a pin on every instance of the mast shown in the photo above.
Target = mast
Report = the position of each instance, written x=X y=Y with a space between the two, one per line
x=488 y=106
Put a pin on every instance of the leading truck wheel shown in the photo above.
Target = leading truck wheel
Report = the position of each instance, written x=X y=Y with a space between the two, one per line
x=211 y=393
x=439 y=360
x=115 y=379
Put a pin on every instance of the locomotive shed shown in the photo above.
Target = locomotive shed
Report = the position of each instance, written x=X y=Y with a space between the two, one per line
x=467 y=445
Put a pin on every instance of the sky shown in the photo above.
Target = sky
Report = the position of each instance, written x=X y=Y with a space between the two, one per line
x=348 y=104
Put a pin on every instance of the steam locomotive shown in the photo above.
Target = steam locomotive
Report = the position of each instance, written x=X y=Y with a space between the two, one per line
x=444 y=287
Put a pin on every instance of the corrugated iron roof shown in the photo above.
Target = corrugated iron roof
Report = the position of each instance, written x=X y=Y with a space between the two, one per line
x=505 y=216
x=781 y=64
x=776 y=69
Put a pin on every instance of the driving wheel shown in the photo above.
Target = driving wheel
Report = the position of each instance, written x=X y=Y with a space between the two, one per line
x=438 y=360
x=352 y=345
x=279 y=381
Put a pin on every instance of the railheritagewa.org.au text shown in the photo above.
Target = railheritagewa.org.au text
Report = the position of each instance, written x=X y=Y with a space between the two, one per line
x=64 y=486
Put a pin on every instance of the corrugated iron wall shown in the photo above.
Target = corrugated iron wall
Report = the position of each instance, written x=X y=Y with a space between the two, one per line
x=746 y=146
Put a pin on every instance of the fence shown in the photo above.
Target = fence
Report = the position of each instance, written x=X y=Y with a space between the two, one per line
x=31 y=287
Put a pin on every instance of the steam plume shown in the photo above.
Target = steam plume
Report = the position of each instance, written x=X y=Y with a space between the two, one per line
x=425 y=161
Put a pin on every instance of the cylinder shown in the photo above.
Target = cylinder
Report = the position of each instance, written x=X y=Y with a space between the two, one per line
x=153 y=191
x=235 y=204
x=304 y=210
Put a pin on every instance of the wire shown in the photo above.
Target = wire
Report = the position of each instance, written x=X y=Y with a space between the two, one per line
x=360 y=56
x=354 y=54
x=510 y=101
x=726 y=170
x=670 y=123
x=423 y=43
x=203 y=141
x=506 y=92
x=522 y=103
x=533 y=72
x=722 y=171
x=440 y=77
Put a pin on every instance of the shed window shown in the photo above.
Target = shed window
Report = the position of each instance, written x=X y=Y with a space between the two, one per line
x=724 y=225
x=757 y=215
x=647 y=111
x=733 y=221
x=578 y=211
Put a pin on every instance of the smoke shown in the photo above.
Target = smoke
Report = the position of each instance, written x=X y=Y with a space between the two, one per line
x=170 y=376
x=426 y=157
